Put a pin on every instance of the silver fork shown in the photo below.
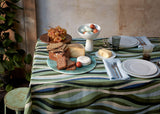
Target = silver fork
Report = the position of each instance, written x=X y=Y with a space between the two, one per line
x=113 y=66
x=106 y=44
x=119 y=73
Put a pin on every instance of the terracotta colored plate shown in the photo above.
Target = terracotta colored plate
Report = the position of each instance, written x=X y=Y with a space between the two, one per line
x=45 y=38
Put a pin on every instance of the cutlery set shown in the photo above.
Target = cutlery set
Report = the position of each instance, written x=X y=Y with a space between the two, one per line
x=141 y=41
x=116 y=70
x=106 y=44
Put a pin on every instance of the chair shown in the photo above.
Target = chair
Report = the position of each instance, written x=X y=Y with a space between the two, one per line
x=15 y=99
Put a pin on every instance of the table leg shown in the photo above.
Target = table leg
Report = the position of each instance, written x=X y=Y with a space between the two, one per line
x=18 y=112
x=4 y=109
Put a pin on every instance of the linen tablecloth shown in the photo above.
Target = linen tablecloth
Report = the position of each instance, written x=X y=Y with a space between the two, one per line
x=92 y=92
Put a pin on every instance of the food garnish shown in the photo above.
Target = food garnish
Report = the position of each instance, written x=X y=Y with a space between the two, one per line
x=89 y=29
x=57 y=34
x=78 y=64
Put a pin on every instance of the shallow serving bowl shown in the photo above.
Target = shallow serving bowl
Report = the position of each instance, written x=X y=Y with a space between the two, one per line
x=88 y=36
x=87 y=33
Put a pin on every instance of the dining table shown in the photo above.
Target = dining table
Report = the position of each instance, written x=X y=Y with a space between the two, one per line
x=92 y=92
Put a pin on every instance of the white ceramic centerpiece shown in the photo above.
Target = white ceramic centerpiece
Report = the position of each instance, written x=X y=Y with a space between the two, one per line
x=89 y=32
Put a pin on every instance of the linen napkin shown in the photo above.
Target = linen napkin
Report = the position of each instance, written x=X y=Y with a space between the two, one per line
x=146 y=40
x=111 y=72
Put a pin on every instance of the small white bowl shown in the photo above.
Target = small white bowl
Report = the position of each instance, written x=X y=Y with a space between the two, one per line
x=90 y=34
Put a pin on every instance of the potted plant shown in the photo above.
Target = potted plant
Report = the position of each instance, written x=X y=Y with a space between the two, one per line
x=11 y=55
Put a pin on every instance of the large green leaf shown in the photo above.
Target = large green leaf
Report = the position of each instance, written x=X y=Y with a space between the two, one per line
x=17 y=64
x=10 y=22
x=28 y=76
x=17 y=58
x=18 y=61
x=7 y=43
x=18 y=37
x=9 y=88
x=1 y=84
x=2 y=18
x=11 y=51
x=28 y=59
x=8 y=65
x=10 y=14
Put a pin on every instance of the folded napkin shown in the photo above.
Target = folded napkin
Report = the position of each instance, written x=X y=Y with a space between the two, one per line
x=146 y=40
x=111 y=72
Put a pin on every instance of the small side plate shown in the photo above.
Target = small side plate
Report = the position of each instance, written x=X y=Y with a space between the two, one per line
x=113 y=55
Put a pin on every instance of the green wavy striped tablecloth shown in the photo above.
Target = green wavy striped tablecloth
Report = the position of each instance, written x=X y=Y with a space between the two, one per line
x=92 y=92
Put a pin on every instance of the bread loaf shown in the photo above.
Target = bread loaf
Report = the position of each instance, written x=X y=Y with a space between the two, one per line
x=54 y=55
x=52 y=46
x=76 y=50
x=61 y=62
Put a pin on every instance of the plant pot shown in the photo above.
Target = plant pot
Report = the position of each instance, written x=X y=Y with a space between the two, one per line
x=18 y=73
x=18 y=76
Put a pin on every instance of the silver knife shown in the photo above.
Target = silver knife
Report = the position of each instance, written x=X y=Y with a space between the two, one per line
x=118 y=71
x=114 y=68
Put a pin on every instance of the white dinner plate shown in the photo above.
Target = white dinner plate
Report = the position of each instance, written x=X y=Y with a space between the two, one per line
x=149 y=76
x=138 y=67
x=113 y=55
x=126 y=42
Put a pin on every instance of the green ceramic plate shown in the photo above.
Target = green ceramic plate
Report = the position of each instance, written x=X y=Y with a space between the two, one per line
x=52 y=64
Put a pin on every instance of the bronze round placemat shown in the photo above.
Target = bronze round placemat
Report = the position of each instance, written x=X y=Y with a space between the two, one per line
x=45 y=38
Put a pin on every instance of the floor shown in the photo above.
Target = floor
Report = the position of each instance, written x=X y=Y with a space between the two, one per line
x=2 y=94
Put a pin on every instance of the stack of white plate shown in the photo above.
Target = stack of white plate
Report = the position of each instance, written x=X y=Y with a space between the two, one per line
x=140 y=68
x=126 y=42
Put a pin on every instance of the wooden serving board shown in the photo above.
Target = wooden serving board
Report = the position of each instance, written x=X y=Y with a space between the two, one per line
x=45 y=38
